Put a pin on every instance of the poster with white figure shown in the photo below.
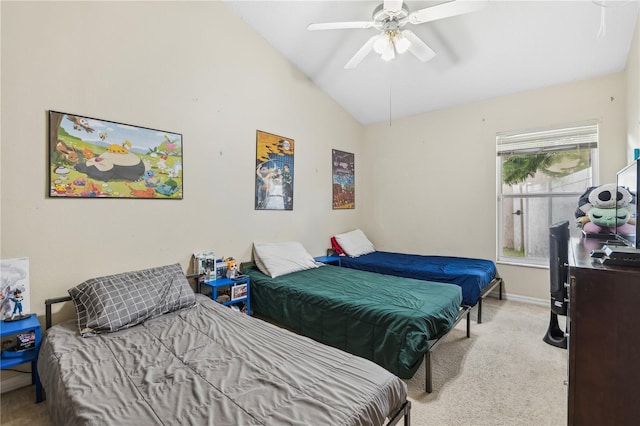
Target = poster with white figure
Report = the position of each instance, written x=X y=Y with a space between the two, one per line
x=274 y=172
x=14 y=293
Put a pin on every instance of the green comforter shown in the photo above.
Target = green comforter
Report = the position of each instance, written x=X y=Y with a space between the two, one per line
x=386 y=319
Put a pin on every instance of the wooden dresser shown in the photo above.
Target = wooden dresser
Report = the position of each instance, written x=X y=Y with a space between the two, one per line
x=604 y=340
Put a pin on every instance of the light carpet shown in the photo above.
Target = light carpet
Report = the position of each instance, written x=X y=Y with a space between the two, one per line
x=503 y=375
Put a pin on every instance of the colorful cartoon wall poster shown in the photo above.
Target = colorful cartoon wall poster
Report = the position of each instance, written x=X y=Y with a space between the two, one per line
x=344 y=181
x=91 y=158
x=274 y=172
x=14 y=292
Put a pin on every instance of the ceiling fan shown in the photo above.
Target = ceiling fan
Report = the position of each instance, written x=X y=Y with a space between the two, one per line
x=389 y=17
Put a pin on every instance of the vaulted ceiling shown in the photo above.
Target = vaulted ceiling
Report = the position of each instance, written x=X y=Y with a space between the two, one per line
x=506 y=47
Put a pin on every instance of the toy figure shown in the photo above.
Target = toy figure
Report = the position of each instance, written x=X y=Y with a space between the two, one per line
x=17 y=299
x=232 y=268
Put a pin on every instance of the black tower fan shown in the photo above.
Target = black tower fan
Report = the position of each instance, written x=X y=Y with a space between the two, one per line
x=559 y=269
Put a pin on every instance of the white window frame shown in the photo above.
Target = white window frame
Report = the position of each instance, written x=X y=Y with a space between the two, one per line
x=583 y=135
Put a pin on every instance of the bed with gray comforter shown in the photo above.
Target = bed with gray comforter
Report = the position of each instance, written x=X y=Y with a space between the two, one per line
x=208 y=364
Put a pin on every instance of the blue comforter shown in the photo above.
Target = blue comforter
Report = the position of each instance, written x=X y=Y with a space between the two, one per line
x=471 y=274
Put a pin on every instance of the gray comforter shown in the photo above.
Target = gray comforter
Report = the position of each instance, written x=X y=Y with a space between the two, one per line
x=210 y=365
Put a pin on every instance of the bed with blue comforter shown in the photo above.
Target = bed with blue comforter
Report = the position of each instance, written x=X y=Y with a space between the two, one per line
x=476 y=277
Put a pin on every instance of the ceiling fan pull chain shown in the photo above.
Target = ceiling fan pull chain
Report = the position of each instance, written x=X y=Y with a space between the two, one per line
x=390 y=80
x=603 y=24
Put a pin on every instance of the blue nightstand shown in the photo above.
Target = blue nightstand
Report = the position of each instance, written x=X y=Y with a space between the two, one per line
x=12 y=358
x=329 y=259
x=240 y=290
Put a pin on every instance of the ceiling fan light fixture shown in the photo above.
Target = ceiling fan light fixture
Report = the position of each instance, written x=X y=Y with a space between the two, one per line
x=389 y=52
x=401 y=43
x=390 y=17
x=381 y=44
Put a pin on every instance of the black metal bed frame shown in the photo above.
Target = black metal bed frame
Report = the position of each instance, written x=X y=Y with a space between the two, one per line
x=485 y=292
x=403 y=412
x=464 y=310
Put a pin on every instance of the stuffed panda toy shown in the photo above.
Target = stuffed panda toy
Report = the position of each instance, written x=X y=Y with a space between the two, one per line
x=604 y=209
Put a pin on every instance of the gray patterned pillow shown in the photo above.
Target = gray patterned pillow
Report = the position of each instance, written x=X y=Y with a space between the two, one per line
x=115 y=302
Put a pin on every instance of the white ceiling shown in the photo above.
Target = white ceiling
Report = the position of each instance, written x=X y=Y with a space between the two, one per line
x=507 y=47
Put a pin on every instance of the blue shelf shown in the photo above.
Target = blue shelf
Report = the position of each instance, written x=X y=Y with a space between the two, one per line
x=226 y=282
x=27 y=356
x=8 y=360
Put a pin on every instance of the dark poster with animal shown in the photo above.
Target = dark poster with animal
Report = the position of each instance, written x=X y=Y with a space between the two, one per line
x=344 y=181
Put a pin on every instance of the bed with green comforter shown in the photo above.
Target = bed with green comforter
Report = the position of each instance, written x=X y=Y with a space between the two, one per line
x=388 y=320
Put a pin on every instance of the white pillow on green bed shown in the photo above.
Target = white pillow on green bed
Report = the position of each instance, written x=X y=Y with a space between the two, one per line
x=276 y=259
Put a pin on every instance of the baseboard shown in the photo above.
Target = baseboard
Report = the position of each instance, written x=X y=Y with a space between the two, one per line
x=15 y=382
x=523 y=299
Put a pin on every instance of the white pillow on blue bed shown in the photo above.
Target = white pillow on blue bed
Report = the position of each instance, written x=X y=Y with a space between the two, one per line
x=276 y=259
x=355 y=243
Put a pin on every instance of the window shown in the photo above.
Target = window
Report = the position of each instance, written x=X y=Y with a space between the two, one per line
x=541 y=175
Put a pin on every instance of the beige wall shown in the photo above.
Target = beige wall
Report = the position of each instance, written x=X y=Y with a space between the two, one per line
x=431 y=178
x=633 y=93
x=171 y=66
x=426 y=184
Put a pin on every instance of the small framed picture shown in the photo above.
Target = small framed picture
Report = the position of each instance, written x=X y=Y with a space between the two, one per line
x=221 y=269
x=238 y=291
x=26 y=341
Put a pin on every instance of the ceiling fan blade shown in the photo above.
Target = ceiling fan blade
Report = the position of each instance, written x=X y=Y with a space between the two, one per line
x=446 y=10
x=418 y=47
x=392 y=6
x=340 y=25
x=360 y=54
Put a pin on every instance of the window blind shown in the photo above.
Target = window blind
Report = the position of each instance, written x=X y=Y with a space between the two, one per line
x=572 y=137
